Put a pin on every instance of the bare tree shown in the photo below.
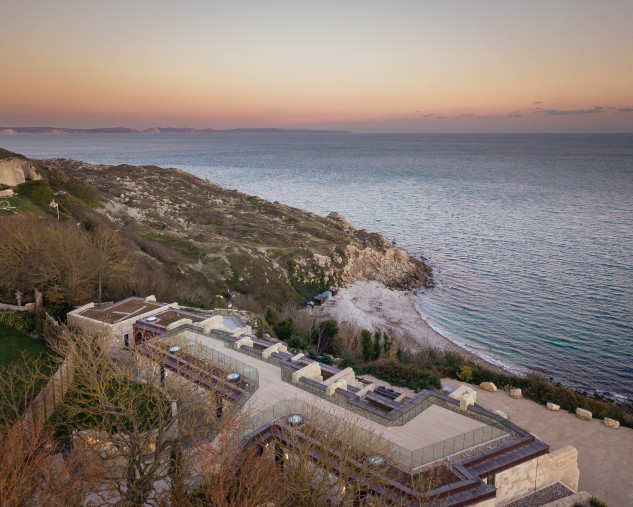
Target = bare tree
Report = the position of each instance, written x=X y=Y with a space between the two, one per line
x=32 y=472
x=121 y=417
x=110 y=257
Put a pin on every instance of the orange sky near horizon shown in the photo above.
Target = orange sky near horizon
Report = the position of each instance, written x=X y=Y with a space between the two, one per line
x=365 y=66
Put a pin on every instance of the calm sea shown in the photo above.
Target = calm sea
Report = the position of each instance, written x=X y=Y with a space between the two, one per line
x=530 y=236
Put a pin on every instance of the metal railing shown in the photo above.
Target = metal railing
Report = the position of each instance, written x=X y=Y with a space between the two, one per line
x=402 y=455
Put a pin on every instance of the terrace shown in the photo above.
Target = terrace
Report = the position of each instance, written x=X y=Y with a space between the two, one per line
x=123 y=310
x=460 y=444
x=436 y=428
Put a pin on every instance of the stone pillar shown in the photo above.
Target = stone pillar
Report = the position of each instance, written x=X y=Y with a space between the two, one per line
x=39 y=300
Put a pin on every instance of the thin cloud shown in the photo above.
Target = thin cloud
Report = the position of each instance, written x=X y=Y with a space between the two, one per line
x=537 y=102
x=625 y=110
x=566 y=112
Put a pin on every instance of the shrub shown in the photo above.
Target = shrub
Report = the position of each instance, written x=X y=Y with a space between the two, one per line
x=285 y=329
x=387 y=342
x=298 y=341
x=326 y=359
x=377 y=346
x=37 y=192
x=402 y=375
x=17 y=321
x=365 y=341
x=465 y=373
x=348 y=361
x=272 y=317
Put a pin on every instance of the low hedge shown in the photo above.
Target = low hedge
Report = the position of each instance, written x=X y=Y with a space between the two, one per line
x=400 y=374
x=18 y=321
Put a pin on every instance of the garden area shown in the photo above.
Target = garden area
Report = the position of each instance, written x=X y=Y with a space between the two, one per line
x=17 y=347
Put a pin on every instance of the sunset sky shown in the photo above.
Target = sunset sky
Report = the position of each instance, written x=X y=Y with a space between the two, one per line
x=366 y=66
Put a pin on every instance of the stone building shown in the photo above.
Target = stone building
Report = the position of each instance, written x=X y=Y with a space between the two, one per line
x=484 y=459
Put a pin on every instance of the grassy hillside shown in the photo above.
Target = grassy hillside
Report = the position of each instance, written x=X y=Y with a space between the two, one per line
x=200 y=240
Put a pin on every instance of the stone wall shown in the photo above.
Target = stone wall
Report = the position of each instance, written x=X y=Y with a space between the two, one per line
x=44 y=404
x=560 y=465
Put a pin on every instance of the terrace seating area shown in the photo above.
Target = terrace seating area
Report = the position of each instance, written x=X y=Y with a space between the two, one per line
x=442 y=483
x=230 y=385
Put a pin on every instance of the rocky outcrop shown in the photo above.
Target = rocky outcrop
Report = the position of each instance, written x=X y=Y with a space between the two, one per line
x=14 y=171
x=372 y=257
x=342 y=222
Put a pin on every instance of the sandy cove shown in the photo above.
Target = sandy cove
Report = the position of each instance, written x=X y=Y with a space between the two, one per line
x=372 y=306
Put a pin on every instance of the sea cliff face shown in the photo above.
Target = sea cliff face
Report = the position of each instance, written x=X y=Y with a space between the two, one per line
x=218 y=239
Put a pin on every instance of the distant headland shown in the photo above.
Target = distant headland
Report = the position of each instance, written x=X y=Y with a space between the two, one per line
x=162 y=130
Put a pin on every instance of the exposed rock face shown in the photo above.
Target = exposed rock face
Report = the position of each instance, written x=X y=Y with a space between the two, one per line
x=342 y=221
x=611 y=423
x=488 y=386
x=553 y=406
x=6 y=193
x=583 y=414
x=14 y=171
x=377 y=259
x=516 y=394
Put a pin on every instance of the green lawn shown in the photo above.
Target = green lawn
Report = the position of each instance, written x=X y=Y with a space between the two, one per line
x=16 y=351
x=22 y=205
x=16 y=347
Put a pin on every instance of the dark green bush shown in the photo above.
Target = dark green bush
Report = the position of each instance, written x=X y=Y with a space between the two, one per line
x=272 y=317
x=365 y=341
x=299 y=341
x=285 y=329
x=399 y=374
x=37 y=192
x=326 y=359
x=18 y=321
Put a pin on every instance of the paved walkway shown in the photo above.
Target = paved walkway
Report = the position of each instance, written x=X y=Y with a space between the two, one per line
x=605 y=455
x=433 y=425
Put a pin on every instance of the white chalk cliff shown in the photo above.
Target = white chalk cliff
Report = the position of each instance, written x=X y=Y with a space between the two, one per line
x=14 y=171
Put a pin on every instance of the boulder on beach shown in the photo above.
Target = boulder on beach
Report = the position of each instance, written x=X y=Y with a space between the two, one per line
x=516 y=394
x=552 y=406
x=611 y=423
x=488 y=386
x=583 y=414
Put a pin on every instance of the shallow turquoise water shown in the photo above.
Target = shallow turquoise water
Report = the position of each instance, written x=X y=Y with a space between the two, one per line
x=530 y=236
